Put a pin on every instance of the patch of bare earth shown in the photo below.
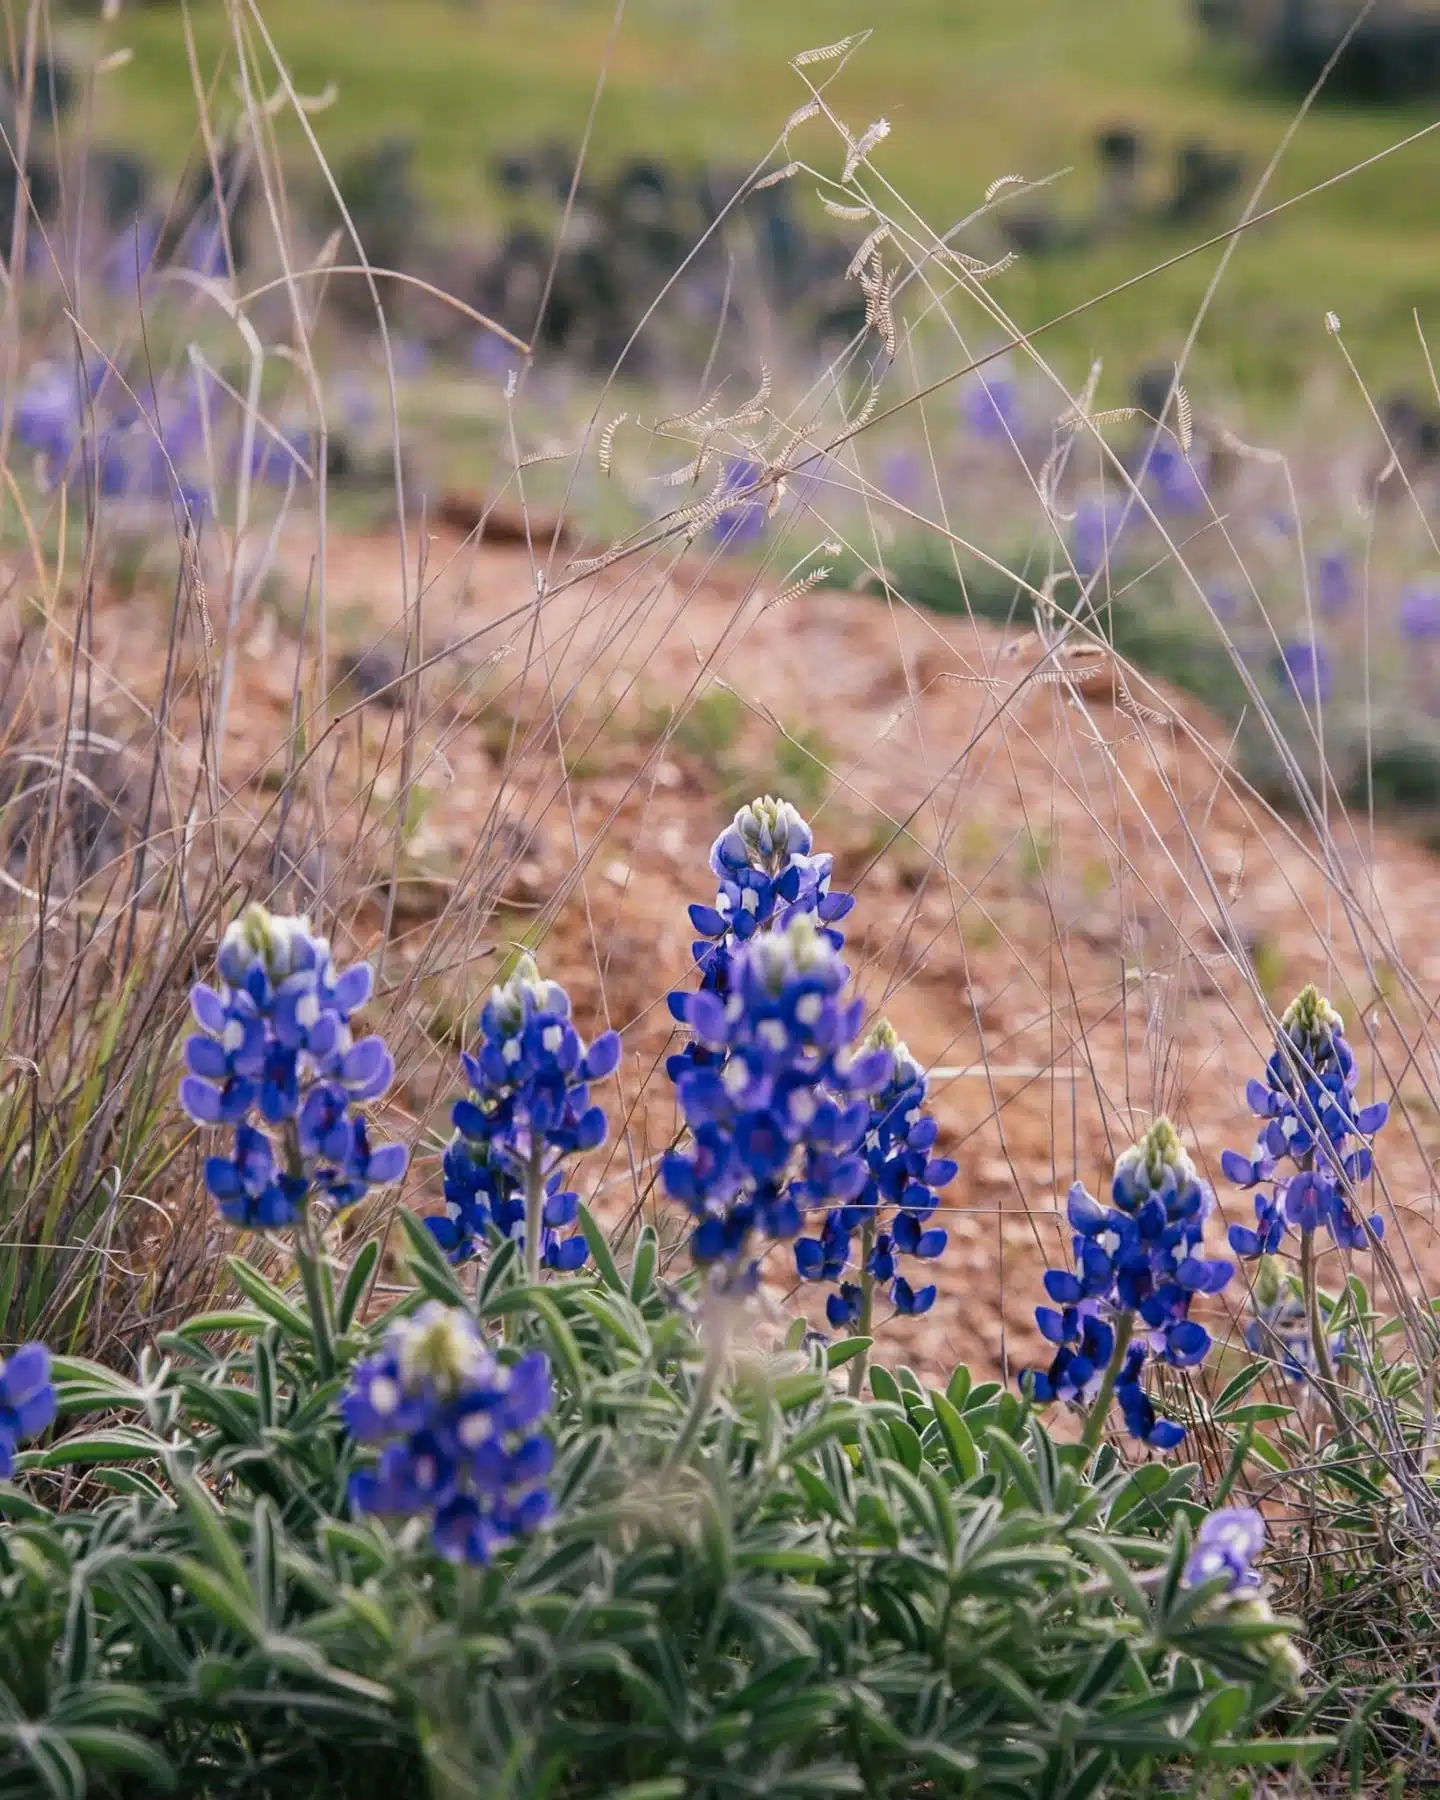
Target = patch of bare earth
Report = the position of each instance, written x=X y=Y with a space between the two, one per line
x=1053 y=878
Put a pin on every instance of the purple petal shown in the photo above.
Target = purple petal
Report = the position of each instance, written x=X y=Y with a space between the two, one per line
x=204 y=1103
x=1369 y=1119
x=208 y=1008
x=353 y=987
x=603 y=1057
x=387 y=1164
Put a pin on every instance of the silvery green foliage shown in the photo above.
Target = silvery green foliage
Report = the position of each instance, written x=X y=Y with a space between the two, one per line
x=918 y=1593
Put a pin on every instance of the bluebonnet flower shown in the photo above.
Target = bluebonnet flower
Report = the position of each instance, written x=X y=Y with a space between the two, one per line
x=1096 y=534
x=27 y=1400
x=778 y=1119
x=1224 y=602
x=130 y=252
x=490 y=354
x=990 y=405
x=530 y=1111
x=1312 y=1129
x=1227 y=1544
x=1307 y=670
x=1418 y=615
x=743 y=521
x=1139 y=1263
x=1334 y=582
x=767 y=870
x=1280 y=1329
x=458 y=1430
x=901 y=1176
x=902 y=477
x=1173 y=478
x=275 y=1040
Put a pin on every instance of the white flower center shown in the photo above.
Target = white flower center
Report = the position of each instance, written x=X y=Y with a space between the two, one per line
x=474 y=1428
x=808 y=1008
x=736 y=1077
x=750 y=901
x=511 y=1052
x=233 y=1035
x=384 y=1395
x=307 y=1011
x=552 y=1037
x=771 y=1032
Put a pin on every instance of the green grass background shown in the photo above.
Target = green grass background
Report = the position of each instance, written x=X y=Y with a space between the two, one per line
x=973 y=88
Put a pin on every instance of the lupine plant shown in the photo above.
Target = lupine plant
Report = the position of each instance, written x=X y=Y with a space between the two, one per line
x=1139 y=1263
x=457 y=1429
x=275 y=1059
x=1311 y=1155
x=789 y=1113
x=891 y=1213
x=530 y=1113
x=27 y=1400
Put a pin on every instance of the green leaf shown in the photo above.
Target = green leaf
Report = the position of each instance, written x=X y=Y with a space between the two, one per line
x=269 y=1299
x=427 y=1262
x=959 y=1445
x=799 y=1389
x=610 y=1314
x=642 y=1266
x=230 y=1320
x=112 y=1749
x=502 y=1260
x=1258 y=1413
x=846 y=1350
x=664 y=1787
x=908 y=1447
x=1267 y=1752
x=126 y=1443
x=211 y=1591
x=883 y=1384
x=213 y=1529
x=1237 y=1387
x=356 y=1282
x=605 y=1264
x=959 y=1386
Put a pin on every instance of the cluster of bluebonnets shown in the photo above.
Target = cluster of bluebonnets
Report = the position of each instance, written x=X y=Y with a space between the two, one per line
x=458 y=1433
x=791 y=1114
x=1139 y=1264
x=1312 y=1152
x=799 y=1128
x=275 y=1059
x=528 y=1112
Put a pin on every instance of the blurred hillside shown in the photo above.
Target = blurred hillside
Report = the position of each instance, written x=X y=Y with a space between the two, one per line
x=1160 y=125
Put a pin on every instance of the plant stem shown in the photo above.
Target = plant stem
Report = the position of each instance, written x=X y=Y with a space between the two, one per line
x=318 y=1299
x=1319 y=1341
x=534 y=1214
x=859 y=1364
x=1100 y=1411
x=319 y=1293
x=716 y=1335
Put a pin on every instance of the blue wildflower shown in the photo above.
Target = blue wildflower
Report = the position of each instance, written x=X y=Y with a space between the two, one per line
x=743 y=520
x=1280 y=1328
x=1307 y=670
x=457 y=1430
x=1096 y=533
x=275 y=1041
x=778 y=1118
x=27 y=1400
x=900 y=1182
x=1138 y=1265
x=1313 y=1130
x=990 y=404
x=531 y=1110
x=1227 y=1544
x=1334 y=582
x=1418 y=615
x=766 y=869
x=1177 y=485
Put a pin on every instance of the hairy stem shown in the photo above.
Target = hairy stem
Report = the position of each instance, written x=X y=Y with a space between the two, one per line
x=534 y=1213
x=859 y=1364
x=1100 y=1411
x=314 y=1272
x=716 y=1329
x=1319 y=1339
